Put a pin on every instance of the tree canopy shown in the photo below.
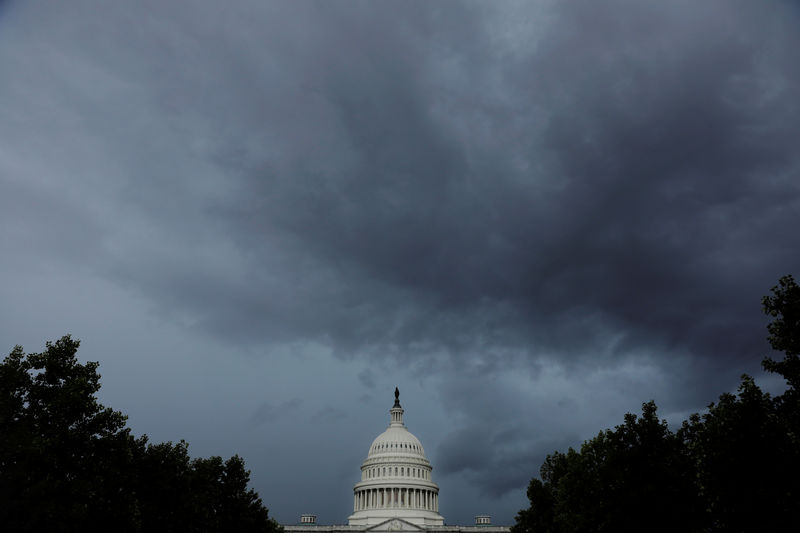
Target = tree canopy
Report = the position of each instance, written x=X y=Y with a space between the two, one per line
x=736 y=467
x=67 y=463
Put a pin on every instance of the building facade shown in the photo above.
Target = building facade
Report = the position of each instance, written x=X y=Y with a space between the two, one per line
x=396 y=491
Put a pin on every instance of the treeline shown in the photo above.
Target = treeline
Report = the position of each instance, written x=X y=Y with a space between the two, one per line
x=735 y=468
x=67 y=463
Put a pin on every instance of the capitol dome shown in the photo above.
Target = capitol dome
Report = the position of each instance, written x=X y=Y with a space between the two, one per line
x=396 y=479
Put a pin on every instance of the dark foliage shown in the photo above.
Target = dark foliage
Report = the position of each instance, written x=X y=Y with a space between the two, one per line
x=69 y=464
x=734 y=468
x=632 y=478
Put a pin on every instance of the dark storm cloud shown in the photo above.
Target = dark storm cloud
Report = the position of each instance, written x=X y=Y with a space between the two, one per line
x=367 y=378
x=496 y=462
x=329 y=413
x=267 y=412
x=482 y=194
x=639 y=181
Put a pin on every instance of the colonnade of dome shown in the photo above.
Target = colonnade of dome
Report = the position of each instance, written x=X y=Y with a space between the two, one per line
x=396 y=498
x=396 y=479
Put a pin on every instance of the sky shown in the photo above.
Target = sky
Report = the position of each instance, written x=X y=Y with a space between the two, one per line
x=531 y=217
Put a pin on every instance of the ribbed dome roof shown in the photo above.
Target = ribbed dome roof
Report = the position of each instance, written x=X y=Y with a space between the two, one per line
x=396 y=440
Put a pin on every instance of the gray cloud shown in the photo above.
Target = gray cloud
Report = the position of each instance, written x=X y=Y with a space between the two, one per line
x=367 y=378
x=266 y=412
x=329 y=413
x=500 y=199
x=655 y=167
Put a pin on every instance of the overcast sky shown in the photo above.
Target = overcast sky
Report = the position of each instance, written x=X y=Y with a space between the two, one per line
x=261 y=217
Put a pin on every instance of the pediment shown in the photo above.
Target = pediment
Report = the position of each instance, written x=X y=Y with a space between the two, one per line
x=394 y=524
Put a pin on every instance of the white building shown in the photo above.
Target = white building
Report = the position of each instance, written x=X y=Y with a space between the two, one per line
x=396 y=491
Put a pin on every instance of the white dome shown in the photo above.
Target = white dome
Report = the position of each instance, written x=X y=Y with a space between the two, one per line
x=396 y=479
x=396 y=440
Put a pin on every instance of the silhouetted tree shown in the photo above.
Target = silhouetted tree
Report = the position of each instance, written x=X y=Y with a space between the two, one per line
x=635 y=477
x=63 y=456
x=784 y=330
x=742 y=458
x=734 y=468
x=67 y=463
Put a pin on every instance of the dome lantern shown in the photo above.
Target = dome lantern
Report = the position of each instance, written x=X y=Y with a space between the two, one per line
x=396 y=412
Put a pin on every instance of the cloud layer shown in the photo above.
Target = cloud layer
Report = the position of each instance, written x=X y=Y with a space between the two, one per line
x=577 y=204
